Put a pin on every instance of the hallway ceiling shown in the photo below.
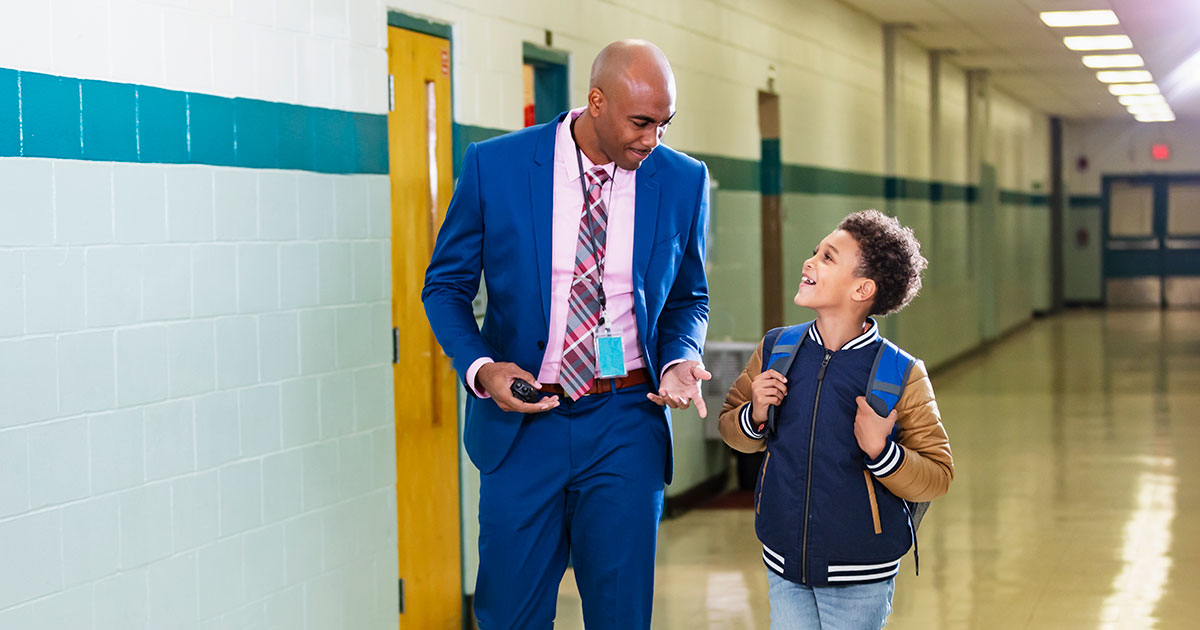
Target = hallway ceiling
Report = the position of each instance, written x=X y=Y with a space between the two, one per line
x=1028 y=60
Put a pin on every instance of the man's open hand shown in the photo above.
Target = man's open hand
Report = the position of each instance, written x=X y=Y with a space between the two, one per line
x=681 y=385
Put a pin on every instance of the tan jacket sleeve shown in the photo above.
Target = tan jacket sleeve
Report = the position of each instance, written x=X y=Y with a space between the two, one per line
x=739 y=396
x=928 y=465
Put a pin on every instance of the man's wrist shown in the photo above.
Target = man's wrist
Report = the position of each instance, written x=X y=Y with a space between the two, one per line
x=473 y=377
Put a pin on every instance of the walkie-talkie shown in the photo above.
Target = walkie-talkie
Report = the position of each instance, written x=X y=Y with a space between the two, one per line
x=523 y=391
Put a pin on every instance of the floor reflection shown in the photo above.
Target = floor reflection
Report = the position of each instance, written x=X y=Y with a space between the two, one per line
x=1071 y=438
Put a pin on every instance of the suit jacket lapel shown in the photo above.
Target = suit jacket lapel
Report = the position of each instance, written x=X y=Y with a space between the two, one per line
x=645 y=220
x=541 y=195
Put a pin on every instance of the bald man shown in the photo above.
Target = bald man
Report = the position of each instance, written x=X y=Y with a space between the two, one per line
x=589 y=234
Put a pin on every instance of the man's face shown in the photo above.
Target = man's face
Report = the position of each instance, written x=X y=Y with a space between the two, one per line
x=633 y=116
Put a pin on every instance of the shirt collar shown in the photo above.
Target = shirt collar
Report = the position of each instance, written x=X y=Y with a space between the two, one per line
x=865 y=339
x=564 y=152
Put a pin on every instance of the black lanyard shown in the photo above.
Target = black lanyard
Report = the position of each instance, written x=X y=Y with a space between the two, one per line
x=612 y=183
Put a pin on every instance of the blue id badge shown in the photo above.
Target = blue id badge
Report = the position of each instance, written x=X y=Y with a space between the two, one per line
x=610 y=356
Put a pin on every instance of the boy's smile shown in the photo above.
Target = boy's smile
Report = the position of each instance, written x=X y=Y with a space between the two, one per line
x=829 y=279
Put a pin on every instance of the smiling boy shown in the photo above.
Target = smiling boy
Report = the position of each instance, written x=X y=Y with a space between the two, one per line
x=830 y=498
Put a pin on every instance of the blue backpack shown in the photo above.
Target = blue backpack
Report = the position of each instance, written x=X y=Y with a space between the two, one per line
x=889 y=373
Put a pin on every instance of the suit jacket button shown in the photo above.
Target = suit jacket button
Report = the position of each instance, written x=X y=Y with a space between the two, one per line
x=541 y=345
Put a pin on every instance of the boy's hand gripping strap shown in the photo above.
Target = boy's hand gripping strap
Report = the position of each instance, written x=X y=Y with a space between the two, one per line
x=780 y=357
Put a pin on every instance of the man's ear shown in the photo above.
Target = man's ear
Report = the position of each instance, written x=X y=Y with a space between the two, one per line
x=595 y=101
x=864 y=290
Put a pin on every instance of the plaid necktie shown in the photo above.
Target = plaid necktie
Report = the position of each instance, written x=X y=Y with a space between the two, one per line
x=578 y=368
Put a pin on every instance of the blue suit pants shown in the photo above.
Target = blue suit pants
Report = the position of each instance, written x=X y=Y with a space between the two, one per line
x=583 y=480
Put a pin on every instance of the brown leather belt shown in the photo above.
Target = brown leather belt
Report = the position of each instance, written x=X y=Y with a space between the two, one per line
x=605 y=385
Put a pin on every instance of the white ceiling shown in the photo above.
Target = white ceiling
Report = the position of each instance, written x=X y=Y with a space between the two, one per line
x=1028 y=60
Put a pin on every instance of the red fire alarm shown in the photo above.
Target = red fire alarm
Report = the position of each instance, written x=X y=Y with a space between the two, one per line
x=1160 y=151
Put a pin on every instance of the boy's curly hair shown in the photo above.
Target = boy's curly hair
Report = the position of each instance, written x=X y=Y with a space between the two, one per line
x=890 y=254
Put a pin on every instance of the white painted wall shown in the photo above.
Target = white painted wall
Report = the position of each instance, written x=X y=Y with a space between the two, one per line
x=196 y=425
x=1122 y=148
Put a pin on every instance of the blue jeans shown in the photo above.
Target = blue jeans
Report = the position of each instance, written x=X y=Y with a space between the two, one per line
x=858 y=607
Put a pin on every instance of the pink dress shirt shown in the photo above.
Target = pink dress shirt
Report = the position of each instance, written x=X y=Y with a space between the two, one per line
x=618 y=197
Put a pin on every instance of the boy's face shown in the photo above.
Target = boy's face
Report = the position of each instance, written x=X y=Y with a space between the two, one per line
x=829 y=279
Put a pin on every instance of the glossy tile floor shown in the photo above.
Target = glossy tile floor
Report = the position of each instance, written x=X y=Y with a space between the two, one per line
x=1076 y=502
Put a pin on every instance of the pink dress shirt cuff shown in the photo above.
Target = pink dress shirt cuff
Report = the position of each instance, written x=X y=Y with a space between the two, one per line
x=472 y=371
x=667 y=367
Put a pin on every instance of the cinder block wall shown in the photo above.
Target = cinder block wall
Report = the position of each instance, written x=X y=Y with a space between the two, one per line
x=196 y=424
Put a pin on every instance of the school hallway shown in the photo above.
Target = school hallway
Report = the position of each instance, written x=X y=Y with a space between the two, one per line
x=1073 y=440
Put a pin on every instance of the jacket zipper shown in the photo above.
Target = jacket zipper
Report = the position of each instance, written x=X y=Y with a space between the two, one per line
x=812 y=434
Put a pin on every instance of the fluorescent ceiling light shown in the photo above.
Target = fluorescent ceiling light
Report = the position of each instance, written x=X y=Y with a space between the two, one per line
x=1078 y=18
x=1142 y=99
x=1124 y=76
x=1113 y=61
x=1167 y=117
x=1098 y=42
x=1161 y=108
x=1123 y=89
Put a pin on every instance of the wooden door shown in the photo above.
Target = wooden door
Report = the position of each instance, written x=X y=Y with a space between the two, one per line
x=427 y=491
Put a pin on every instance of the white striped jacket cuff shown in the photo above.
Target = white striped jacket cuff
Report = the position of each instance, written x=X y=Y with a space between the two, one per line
x=889 y=460
x=747 y=423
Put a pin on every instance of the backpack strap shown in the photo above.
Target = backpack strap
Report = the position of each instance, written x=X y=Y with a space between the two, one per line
x=889 y=373
x=885 y=385
x=779 y=354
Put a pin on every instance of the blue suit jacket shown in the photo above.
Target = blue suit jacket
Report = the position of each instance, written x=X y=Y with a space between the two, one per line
x=500 y=223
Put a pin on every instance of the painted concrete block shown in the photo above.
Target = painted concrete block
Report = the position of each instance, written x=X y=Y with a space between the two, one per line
x=172 y=592
x=301 y=414
x=337 y=404
x=336 y=273
x=283 y=485
x=32 y=542
x=120 y=601
x=145 y=524
x=317 y=341
x=217 y=437
x=28 y=380
x=241 y=497
x=190 y=203
x=259 y=413
x=214 y=281
x=166 y=282
x=14 y=468
x=58 y=456
x=117 y=442
x=54 y=290
x=139 y=203
x=170 y=440
x=86 y=376
x=83 y=208
x=237 y=351
x=258 y=278
x=114 y=286
x=141 y=365
x=221 y=578
x=91 y=543
x=279 y=347
x=191 y=358
x=195 y=509
x=298 y=275
x=236 y=204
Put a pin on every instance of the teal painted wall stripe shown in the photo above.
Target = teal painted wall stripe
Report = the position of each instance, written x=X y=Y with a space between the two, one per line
x=464 y=135
x=1084 y=201
x=420 y=25
x=533 y=52
x=739 y=174
x=50 y=116
x=771 y=168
